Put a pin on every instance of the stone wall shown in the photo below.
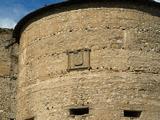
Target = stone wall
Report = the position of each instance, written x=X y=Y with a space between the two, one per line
x=124 y=72
x=7 y=83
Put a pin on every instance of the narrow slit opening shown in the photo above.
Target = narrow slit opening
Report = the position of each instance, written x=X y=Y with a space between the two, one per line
x=79 y=111
x=132 y=113
x=30 y=118
x=12 y=119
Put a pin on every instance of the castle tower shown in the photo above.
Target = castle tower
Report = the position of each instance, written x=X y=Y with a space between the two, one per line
x=91 y=59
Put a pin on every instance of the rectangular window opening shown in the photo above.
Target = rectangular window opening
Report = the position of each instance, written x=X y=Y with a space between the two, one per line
x=132 y=113
x=12 y=119
x=30 y=118
x=79 y=111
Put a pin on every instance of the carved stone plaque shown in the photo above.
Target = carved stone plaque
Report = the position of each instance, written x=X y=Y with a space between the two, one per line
x=79 y=59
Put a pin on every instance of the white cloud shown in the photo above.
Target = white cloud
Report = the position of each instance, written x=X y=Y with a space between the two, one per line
x=9 y=15
x=157 y=0
x=7 y=23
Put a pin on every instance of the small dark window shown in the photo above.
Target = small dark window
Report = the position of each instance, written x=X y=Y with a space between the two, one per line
x=12 y=119
x=132 y=113
x=30 y=118
x=79 y=111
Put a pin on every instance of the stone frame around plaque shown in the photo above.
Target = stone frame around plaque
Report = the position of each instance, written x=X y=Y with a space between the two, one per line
x=79 y=59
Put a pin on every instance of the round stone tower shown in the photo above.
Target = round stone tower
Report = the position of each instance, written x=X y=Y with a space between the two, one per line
x=91 y=59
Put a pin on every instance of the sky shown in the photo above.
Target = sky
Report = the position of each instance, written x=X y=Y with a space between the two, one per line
x=11 y=11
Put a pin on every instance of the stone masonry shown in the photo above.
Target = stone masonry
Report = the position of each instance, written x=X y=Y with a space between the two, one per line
x=92 y=61
x=8 y=73
x=95 y=60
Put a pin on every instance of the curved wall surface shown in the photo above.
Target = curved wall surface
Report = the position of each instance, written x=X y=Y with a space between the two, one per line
x=94 y=62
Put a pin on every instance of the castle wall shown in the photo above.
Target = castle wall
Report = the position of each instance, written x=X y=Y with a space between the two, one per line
x=7 y=84
x=124 y=60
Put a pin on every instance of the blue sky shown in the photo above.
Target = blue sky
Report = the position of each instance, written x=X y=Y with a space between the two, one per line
x=12 y=11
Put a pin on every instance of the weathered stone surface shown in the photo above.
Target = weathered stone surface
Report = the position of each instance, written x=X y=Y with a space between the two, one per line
x=124 y=59
x=7 y=85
